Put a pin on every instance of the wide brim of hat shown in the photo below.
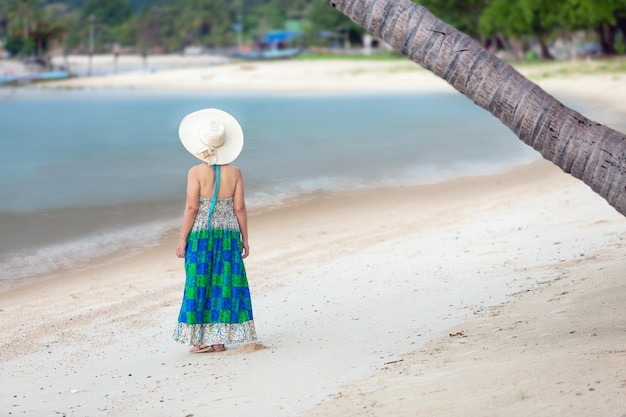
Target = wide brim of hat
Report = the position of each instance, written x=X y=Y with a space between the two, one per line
x=233 y=142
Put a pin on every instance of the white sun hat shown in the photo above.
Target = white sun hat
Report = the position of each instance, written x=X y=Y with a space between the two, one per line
x=211 y=135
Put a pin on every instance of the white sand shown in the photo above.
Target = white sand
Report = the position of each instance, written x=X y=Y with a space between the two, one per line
x=271 y=76
x=493 y=296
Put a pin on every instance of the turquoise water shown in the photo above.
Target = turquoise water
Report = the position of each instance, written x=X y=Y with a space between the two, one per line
x=76 y=149
x=88 y=172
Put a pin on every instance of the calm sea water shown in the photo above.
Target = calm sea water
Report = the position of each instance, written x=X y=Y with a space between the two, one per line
x=87 y=173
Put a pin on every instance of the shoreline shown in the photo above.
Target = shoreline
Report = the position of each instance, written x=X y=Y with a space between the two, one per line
x=273 y=210
x=487 y=296
x=217 y=73
x=333 y=76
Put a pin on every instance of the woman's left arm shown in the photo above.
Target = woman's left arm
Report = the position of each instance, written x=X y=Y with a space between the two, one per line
x=191 y=209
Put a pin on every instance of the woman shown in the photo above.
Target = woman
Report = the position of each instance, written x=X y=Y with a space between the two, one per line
x=216 y=308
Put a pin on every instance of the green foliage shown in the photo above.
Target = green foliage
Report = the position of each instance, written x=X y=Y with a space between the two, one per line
x=620 y=44
x=589 y=14
x=135 y=5
x=203 y=22
x=14 y=45
x=543 y=18
x=272 y=14
x=45 y=31
x=461 y=14
x=520 y=18
x=322 y=17
x=140 y=5
x=173 y=24
x=32 y=26
x=71 y=4
x=107 y=12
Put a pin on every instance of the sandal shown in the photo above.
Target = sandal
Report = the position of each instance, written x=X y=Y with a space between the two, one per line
x=201 y=349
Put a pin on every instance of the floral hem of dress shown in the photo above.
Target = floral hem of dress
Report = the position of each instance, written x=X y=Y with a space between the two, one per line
x=214 y=333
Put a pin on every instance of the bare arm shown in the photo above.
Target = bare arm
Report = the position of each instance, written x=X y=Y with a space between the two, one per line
x=191 y=208
x=239 y=204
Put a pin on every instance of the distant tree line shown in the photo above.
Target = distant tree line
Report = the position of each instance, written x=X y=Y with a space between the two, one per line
x=536 y=21
x=33 y=27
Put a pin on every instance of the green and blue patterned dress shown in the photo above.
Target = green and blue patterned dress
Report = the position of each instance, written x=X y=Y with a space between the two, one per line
x=216 y=306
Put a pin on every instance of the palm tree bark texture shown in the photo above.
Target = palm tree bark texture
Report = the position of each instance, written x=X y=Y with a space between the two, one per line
x=589 y=151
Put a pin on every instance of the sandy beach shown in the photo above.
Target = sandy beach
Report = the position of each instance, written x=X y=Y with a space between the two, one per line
x=498 y=295
x=197 y=74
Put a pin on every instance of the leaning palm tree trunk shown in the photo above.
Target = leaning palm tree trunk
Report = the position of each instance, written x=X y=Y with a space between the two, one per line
x=587 y=150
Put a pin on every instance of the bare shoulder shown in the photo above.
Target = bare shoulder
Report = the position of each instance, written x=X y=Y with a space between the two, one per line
x=233 y=169
x=196 y=169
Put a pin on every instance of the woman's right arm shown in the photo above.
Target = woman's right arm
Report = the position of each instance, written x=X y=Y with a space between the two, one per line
x=239 y=204
x=189 y=215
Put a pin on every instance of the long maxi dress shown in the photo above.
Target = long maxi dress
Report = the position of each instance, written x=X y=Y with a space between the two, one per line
x=216 y=306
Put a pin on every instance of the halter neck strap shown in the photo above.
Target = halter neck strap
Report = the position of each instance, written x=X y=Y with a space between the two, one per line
x=216 y=178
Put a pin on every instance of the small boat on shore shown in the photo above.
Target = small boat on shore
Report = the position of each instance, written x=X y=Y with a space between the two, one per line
x=12 y=79
x=276 y=44
x=269 y=54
